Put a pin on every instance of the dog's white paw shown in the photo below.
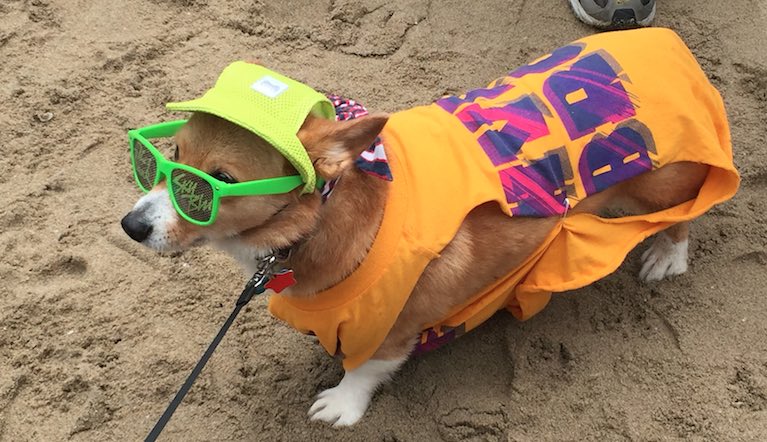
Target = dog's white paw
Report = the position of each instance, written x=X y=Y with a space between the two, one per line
x=344 y=404
x=663 y=258
x=340 y=406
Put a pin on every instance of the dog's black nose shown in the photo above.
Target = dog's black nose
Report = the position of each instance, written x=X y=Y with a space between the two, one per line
x=135 y=227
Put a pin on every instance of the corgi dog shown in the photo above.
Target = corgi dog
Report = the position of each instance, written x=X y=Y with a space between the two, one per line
x=489 y=200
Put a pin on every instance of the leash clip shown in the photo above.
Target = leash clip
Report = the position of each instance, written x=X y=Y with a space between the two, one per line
x=256 y=283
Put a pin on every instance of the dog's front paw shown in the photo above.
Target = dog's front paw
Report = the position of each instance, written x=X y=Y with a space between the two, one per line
x=341 y=406
x=663 y=258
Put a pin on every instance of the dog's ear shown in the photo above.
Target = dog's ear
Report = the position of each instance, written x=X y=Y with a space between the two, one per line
x=333 y=146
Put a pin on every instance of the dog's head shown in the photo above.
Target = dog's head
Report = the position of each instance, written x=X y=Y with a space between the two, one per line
x=232 y=154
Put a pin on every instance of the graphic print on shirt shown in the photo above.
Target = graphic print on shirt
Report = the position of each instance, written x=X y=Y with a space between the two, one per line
x=585 y=92
x=589 y=94
x=624 y=153
x=540 y=188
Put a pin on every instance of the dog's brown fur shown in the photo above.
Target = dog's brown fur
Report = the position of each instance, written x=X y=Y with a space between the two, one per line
x=335 y=237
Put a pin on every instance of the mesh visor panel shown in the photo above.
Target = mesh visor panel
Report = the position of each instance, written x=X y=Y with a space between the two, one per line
x=193 y=195
x=145 y=164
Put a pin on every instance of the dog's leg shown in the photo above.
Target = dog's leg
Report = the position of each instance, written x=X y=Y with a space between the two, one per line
x=651 y=192
x=667 y=256
x=345 y=403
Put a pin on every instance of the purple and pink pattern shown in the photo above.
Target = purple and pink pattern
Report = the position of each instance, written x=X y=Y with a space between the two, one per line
x=524 y=122
x=373 y=160
x=587 y=94
x=602 y=97
x=537 y=189
x=431 y=340
x=609 y=154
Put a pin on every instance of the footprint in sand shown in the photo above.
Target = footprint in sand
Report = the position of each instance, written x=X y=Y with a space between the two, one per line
x=67 y=265
x=462 y=424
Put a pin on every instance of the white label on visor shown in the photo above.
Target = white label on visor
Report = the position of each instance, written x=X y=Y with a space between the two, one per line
x=269 y=86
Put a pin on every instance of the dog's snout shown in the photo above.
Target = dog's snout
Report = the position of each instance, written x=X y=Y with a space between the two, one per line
x=135 y=226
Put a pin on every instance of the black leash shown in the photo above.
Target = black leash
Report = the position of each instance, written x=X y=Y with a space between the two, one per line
x=255 y=286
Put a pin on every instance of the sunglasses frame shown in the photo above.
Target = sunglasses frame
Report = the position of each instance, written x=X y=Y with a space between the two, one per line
x=165 y=168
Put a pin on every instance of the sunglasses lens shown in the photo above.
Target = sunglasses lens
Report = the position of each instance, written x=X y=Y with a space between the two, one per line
x=193 y=195
x=145 y=165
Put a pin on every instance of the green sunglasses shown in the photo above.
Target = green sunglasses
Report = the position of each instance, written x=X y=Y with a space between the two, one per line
x=195 y=194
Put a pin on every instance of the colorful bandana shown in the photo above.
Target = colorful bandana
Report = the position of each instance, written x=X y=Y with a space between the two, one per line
x=373 y=160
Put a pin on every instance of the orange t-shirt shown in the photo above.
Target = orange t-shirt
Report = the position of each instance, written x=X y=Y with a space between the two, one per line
x=547 y=135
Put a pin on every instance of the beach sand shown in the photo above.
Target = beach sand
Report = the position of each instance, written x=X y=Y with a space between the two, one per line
x=97 y=333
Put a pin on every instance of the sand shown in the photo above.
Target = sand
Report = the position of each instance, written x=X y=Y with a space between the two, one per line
x=97 y=333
